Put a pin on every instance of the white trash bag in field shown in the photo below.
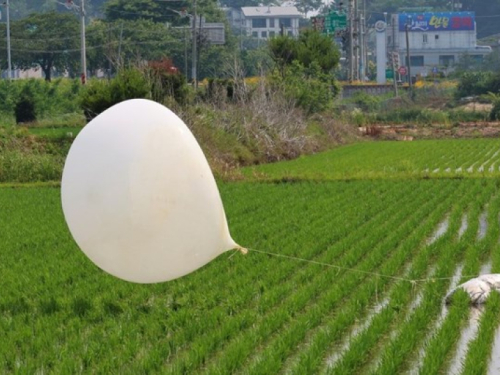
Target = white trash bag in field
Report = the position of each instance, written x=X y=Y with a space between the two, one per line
x=139 y=197
x=479 y=288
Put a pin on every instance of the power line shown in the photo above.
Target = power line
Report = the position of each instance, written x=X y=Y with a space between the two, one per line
x=91 y=47
x=145 y=32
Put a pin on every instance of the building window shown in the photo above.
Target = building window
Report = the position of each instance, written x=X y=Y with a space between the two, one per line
x=416 y=60
x=436 y=36
x=424 y=38
x=271 y=23
x=287 y=22
x=259 y=23
x=264 y=34
x=271 y=34
x=255 y=34
x=446 y=60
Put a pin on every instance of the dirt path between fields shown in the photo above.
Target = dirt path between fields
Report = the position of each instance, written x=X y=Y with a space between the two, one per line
x=409 y=132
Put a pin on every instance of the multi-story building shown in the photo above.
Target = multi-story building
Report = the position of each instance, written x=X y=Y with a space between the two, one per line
x=265 y=22
x=437 y=40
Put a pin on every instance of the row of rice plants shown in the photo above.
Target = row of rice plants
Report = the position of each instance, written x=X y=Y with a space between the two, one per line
x=389 y=159
x=406 y=343
x=459 y=156
x=309 y=359
x=446 y=335
x=22 y=215
x=107 y=307
x=406 y=303
x=265 y=321
x=276 y=350
x=479 y=348
x=397 y=308
x=354 y=296
x=321 y=231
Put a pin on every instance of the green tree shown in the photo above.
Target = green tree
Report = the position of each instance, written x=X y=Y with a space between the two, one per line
x=46 y=41
x=283 y=50
x=132 y=10
x=306 y=6
x=165 y=11
x=319 y=48
x=130 y=42
x=311 y=47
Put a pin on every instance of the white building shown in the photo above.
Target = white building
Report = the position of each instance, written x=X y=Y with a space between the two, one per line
x=265 y=22
x=437 y=40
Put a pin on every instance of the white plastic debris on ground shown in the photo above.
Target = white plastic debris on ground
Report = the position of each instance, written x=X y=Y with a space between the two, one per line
x=479 y=288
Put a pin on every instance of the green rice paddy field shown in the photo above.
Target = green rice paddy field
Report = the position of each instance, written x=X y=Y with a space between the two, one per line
x=391 y=229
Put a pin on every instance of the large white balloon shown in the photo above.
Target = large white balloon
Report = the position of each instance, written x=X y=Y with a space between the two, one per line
x=139 y=196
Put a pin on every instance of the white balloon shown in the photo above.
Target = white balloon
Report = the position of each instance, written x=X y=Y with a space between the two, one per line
x=139 y=197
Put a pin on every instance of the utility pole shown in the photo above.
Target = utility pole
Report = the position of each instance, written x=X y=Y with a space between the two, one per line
x=9 y=61
x=194 y=53
x=84 y=52
x=362 y=48
x=120 y=48
x=356 y=49
x=408 y=63
x=185 y=51
x=394 y=81
x=351 y=41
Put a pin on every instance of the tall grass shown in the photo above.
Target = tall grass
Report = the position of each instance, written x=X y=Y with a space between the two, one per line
x=52 y=99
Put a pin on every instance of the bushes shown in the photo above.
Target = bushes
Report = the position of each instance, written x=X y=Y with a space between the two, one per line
x=366 y=102
x=100 y=95
x=35 y=99
x=478 y=83
x=25 y=107
x=310 y=88
x=156 y=82
x=166 y=81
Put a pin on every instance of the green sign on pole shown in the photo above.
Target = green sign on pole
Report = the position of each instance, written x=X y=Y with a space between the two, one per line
x=335 y=21
x=389 y=73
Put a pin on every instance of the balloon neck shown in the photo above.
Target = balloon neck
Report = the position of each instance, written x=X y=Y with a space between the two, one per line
x=234 y=246
x=242 y=250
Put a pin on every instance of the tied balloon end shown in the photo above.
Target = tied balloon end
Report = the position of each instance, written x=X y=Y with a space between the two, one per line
x=242 y=250
x=238 y=248
x=232 y=245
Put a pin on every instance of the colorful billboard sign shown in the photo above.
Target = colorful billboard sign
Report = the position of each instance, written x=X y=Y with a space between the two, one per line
x=446 y=21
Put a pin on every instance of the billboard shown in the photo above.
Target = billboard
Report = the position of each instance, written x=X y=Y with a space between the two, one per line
x=446 y=21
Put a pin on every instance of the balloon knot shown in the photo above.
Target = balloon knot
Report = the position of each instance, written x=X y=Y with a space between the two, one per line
x=243 y=250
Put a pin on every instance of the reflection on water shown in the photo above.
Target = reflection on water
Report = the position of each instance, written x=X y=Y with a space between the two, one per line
x=440 y=231
x=415 y=366
x=463 y=226
x=494 y=365
x=468 y=334
x=483 y=226
x=357 y=330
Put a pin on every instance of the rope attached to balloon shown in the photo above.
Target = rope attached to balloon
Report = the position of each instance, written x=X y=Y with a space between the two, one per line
x=412 y=281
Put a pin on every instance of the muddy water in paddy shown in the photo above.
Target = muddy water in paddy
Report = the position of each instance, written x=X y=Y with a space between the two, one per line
x=415 y=366
x=463 y=226
x=494 y=365
x=469 y=333
x=357 y=330
x=483 y=226
x=440 y=231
